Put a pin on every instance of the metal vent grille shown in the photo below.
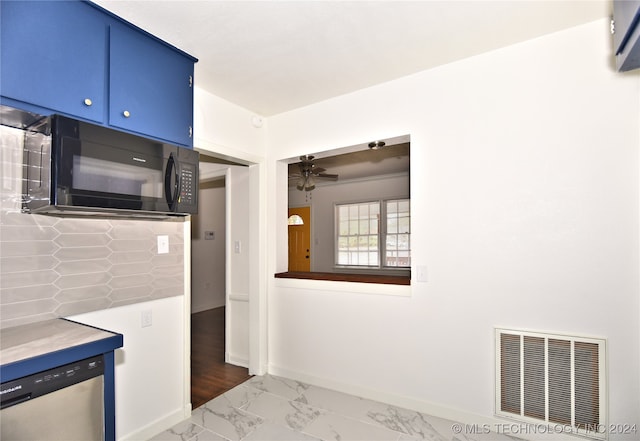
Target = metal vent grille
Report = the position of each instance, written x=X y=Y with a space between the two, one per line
x=553 y=379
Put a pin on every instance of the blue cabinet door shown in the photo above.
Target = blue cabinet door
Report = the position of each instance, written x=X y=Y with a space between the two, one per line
x=54 y=55
x=150 y=87
x=626 y=39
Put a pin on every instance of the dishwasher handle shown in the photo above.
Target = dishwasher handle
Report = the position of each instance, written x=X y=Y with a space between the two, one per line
x=15 y=400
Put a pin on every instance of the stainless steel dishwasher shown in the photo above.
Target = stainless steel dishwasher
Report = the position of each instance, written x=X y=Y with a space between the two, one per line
x=64 y=403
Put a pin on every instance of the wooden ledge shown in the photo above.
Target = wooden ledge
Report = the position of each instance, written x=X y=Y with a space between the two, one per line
x=340 y=277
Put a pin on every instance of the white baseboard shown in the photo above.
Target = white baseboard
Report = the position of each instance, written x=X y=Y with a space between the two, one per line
x=159 y=425
x=470 y=421
x=236 y=360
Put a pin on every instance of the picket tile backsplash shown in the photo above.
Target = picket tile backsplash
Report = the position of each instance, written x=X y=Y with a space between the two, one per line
x=60 y=266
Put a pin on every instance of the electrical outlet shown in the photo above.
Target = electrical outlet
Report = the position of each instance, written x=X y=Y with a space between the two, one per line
x=146 y=318
x=209 y=235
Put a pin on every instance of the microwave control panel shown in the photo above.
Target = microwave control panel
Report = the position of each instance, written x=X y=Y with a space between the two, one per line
x=187 y=178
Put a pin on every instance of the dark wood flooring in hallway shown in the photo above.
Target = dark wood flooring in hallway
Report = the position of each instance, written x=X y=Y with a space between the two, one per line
x=210 y=375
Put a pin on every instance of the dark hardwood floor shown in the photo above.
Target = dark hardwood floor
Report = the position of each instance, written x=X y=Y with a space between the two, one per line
x=210 y=375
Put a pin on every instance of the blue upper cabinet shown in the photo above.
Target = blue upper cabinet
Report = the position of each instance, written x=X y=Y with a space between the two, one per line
x=626 y=38
x=151 y=88
x=75 y=58
x=53 y=64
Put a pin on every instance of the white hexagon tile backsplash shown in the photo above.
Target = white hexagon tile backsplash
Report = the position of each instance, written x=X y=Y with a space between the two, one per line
x=61 y=266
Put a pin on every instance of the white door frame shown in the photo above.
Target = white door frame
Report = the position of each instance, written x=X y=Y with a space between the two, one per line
x=257 y=271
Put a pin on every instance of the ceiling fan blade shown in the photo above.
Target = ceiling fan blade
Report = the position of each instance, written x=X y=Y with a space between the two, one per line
x=326 y=176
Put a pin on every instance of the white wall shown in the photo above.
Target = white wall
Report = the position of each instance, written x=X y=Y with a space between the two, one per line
x=150 y=368
x=524 y=188
x=322 y=200
x=208 y=255
x=225 y=128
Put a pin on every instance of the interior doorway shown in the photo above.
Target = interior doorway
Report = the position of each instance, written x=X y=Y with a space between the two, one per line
x=211 y=375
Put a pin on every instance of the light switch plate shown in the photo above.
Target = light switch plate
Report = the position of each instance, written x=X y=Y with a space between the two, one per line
x=163 y=244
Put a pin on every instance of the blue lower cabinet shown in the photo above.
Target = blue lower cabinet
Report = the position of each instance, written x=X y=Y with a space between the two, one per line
x=54 y=56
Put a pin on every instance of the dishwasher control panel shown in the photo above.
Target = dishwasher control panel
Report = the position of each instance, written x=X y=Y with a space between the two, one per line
x=42 y=383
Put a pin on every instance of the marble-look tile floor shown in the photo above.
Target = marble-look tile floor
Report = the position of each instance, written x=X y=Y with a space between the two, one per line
x=269 y=408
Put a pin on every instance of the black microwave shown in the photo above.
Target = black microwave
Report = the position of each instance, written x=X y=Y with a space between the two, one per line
x=71 y=166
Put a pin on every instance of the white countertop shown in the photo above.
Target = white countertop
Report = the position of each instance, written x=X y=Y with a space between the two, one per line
x=26 y=341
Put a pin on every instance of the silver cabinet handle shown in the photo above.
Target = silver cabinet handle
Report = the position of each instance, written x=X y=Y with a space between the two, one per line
x=88 y=102
x=126 y=114
x=190 y=131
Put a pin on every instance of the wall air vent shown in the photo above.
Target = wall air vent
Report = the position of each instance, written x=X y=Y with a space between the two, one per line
x=556 y=380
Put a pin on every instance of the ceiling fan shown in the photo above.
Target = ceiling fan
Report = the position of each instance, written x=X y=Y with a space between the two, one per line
x=306 y=178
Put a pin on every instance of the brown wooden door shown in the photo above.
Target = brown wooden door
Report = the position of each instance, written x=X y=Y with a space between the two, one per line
x=300 y=240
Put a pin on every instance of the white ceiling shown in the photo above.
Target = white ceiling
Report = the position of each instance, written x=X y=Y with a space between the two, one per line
x=273 y=56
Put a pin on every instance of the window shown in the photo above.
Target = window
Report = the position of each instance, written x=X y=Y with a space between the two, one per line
x=374 y=234
x=397 y=245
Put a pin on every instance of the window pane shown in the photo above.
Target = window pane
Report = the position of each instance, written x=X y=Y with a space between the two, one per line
x=403 y=224
x=392 y=225
x=364 y=226
x=404 y=258
x=363 y=211
x=353 y=227
x=373 y=226
x=392 y=208
x=344 y=228
x=403 y=242
x=392 y=242
x=391 y=259
x=398 y=239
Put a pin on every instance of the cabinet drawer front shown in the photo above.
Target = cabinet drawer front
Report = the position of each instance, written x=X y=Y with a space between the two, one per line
x=54 y=55
x=151 y=87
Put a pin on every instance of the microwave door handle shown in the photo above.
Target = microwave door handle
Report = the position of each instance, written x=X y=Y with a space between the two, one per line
x=171 y=194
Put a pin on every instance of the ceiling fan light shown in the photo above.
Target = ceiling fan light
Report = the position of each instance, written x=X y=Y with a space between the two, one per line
x=310 y=184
